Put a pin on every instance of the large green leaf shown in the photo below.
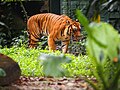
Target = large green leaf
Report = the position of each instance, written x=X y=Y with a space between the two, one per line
x=52 y=64
x=104 y=41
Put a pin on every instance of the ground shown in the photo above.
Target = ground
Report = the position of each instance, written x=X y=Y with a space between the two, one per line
x=49 y=83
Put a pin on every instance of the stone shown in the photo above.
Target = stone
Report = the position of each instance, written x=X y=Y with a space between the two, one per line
x=11 y=68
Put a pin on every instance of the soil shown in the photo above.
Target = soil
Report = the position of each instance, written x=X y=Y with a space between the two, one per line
x=49 y=83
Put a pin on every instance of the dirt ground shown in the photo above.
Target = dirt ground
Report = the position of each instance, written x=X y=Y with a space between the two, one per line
x=48 y=83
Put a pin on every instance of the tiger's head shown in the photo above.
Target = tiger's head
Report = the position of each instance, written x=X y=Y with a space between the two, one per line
x=76 y=30
x=72 y=29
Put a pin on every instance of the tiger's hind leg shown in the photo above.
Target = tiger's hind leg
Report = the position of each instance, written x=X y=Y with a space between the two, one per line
x=34 y=34
x=33 y=42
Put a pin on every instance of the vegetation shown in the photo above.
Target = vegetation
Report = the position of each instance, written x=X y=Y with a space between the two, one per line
x=102 y=59
x=103 y=45
x=52 y=64
x=30 y=64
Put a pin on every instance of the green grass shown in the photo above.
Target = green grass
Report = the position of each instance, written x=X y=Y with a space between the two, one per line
x=29 y=62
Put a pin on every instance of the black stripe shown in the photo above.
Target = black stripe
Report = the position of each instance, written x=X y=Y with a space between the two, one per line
x=69 y=31
x=46 y=32
x=57 y=38
x=39 y=23
x=66 y=40
x=35 y=40
x=63 y=45
x=62 y=32
x=54 y=40
x=34 y=36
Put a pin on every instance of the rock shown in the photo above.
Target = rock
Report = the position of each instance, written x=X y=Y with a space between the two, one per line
x=11 y=69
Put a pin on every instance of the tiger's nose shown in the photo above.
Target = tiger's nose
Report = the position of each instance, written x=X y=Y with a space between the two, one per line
x=79 y=37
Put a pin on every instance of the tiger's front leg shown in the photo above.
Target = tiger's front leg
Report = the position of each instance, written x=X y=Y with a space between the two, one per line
x=65 y=46
x=51 y=44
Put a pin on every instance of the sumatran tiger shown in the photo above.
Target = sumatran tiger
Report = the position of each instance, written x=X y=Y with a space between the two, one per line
x=56 y=27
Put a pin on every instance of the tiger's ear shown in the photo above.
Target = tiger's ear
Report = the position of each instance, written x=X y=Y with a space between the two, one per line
x=76 y=20
x=67 y=22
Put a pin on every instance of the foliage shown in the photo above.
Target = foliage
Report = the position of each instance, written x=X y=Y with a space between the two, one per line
x=28 y=60
x=9 y=28
x=78 y=48
x=103 y=46
x=20 y=40
x=80 y=65
x=2 y=73
x=52 y=64
x=104 y=10
x=4 y=34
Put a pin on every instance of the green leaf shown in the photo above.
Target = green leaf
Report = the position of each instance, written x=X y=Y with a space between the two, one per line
x=2 y=73
x=104 y=41
x=83 y=20
x=52 y=64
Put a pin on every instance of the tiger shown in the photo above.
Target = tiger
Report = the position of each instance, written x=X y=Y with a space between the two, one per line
x=55 y=27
